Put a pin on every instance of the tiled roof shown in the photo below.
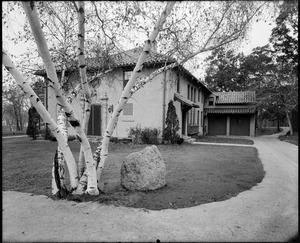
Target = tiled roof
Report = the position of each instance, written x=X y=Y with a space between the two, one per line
x=122 y=59
x=242 y=97
x=130 y=57
x=229 y=110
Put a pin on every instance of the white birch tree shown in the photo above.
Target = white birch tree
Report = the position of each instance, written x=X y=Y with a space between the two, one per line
x=8 y=64
x=62 y=101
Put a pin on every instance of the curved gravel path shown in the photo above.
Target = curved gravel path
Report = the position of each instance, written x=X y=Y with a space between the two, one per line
x=267 y=212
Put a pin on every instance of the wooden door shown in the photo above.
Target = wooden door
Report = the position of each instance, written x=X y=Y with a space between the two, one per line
x=240 y=125
x=217 y=124
x=94 y=127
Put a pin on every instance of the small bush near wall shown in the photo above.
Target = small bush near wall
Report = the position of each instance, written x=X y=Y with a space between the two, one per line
x=146 y=135
x=150 y=135
x=135 y=134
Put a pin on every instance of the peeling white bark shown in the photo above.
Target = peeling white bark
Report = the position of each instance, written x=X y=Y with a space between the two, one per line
x=36 y=102
x=62 y=101
x=84 y=83
x=61 y=122
x=126 y=92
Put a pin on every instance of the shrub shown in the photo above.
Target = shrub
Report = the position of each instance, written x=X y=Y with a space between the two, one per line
x=33 y=118
x=146 y=135
x=172 y=124
x=135 y=133
x=150 y=135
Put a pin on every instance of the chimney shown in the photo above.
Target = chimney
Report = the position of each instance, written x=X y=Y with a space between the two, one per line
x=153 y=46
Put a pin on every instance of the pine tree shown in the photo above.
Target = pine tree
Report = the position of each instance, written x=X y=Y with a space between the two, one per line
x=33 y=117
x=172 y=124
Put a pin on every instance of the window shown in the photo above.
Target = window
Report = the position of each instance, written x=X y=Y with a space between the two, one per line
x=211 y=101
x=201 y=118
x=188 y=93
x=198 y=117
x=128 y=109
x=199 y=95
x=126 y=77
x=195 y=93
x=178 y=83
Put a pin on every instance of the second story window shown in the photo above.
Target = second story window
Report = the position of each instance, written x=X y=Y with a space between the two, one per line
x=210 y=101
x=128 y=109
x=188 y=92
x=199 y=95
x=126 y=77
x=178 y=83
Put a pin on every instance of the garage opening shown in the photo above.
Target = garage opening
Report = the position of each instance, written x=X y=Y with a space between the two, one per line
x=240 y=125
x=217 y=125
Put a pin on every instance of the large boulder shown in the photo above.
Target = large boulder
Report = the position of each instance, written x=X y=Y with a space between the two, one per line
x=144 y=170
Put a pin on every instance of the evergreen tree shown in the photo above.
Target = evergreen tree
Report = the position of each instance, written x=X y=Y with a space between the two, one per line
x=172 y=124
x=33 y=117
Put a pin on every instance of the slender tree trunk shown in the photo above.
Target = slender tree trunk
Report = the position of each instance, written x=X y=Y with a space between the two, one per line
x=59 y=187
x=289 y=122
x=36 y=102
x=83 y=78
x=62 y=101
x=17 y=117
x=126 y=92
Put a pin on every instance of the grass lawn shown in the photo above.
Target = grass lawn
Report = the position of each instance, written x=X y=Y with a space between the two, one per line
x=218 y=139
x=196 y=174
x=290 y=139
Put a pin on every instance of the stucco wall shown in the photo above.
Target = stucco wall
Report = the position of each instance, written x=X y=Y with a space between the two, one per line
x=183 y=90
x=148 y=107
x=147 y=103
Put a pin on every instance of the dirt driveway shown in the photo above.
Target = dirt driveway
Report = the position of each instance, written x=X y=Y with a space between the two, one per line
x=267 y=212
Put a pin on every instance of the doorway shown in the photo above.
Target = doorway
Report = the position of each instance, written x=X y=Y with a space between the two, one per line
x=94 y=127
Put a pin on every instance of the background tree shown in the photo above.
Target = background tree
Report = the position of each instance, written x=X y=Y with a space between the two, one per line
x=15 y=106
x=33 y=119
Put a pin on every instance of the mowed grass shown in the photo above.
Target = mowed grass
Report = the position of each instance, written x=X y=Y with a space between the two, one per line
x=196 y=174
x=290 y=139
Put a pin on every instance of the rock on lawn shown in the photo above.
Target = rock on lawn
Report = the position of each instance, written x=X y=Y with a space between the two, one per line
x=144 y=170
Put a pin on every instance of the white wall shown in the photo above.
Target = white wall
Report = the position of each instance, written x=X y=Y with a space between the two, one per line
x=147 y=103
x=183 y=90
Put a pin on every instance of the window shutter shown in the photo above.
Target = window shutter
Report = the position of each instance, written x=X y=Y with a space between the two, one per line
x=128 y=109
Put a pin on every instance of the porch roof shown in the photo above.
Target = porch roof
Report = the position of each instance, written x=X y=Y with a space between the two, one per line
x=185 y=101
x=246 y=110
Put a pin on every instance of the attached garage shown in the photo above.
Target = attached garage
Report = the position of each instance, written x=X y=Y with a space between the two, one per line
x=239 y=125
x=230 y=113
x=217 y=125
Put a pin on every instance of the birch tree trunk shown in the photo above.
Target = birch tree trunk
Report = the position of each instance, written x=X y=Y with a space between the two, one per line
x=58 y=172
x=36 y=102
x=83 y=78
x=62 y=101
x=126 y=92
